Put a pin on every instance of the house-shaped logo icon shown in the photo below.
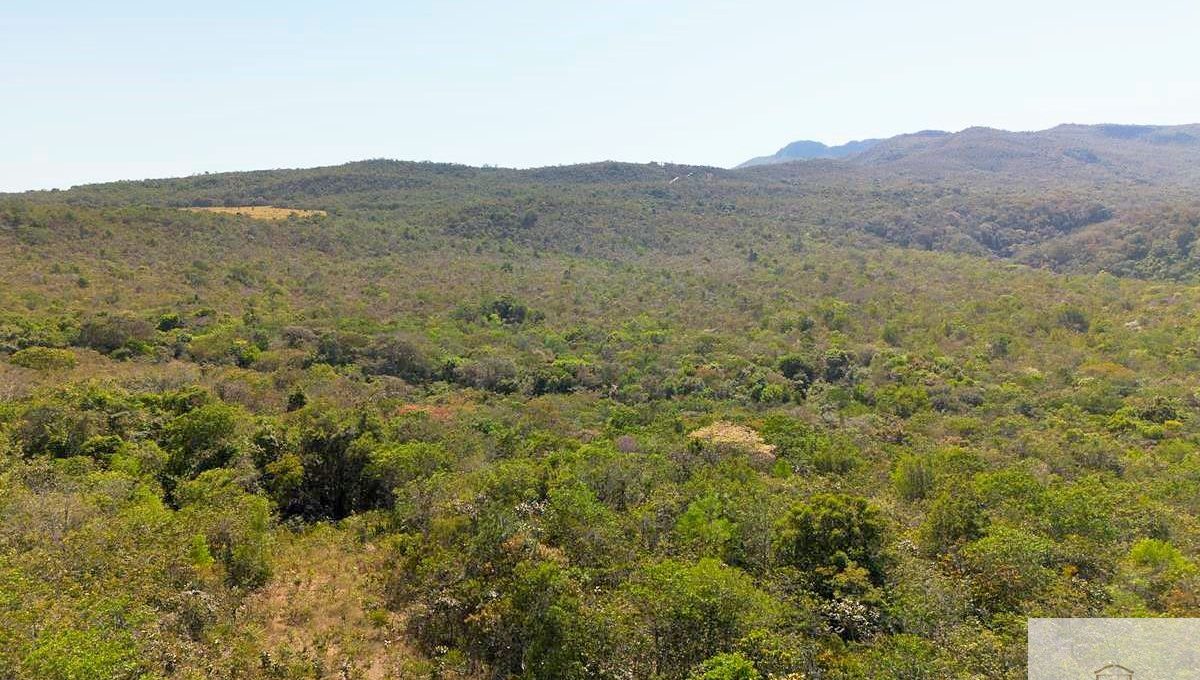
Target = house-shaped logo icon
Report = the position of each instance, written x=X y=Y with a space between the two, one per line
x=1114 y=671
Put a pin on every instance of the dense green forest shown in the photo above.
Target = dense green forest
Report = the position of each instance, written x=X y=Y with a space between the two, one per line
x=817 y=420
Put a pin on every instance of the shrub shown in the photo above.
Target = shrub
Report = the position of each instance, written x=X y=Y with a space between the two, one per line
x=830 y=532
x=169 y=322
x=44 y=358
x=903 y=400
x=496 y=374
x=298 y=336
x=779 y=655
x=798 y=369
x=773 y=394
x=1008 y=567
x=102 y=447
x=804 y=445
x=224 y=344
x=393 y=465
x=836 y=365
x=504 y=310
x=564 y=375
x=538 y=628
x=109 y=333
x=399 y=357
x=201 y=439
x=1074 y=319
x=731 y=666
x=901 y=657
x=837 y=458
x=704 y=526
x=331 y=474
x=339 y=348
x=238 y=525
x=955 y=517
x=1153 y=567
x=296 y=401
x=696 y=610
x=70 y=654
x=913 y=476
x=1160 y=410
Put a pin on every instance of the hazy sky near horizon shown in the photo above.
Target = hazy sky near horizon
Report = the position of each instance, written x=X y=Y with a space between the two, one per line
x=95 y=91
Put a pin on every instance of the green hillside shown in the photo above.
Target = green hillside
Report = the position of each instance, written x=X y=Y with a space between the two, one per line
x=460 y=426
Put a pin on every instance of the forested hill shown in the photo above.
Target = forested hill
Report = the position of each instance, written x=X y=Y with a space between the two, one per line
x=612 y=421
x=1075 y=198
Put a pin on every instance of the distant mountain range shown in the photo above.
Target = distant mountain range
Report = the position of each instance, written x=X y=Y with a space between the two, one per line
x=806 y=149
x=1140 y=153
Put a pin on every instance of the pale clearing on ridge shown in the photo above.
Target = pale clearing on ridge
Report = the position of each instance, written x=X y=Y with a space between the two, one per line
x=261 y=212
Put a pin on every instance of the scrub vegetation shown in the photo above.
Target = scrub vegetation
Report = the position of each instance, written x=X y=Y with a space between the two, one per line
x=798 y=421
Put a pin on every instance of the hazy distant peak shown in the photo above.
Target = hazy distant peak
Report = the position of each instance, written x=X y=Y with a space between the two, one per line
x=806 y=149
x=1144 y=153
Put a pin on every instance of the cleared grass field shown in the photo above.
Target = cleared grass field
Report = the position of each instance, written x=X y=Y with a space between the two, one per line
x=261 y=212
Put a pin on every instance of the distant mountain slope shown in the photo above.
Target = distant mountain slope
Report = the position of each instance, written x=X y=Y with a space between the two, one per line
x=1142 y=154
x=807 y=149
x=1074 y=198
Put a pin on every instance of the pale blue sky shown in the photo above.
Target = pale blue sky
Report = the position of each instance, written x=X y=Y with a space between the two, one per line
x=93 y=91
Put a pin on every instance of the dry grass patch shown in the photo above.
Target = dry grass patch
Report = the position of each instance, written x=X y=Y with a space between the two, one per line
x=261 y=212
x=322 y=611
